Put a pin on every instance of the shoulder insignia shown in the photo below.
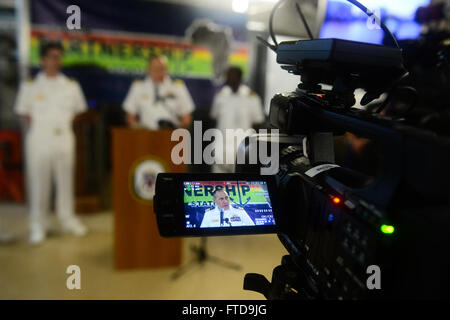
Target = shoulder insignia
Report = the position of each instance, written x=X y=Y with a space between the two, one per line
x=74 y=81
x=179 y=82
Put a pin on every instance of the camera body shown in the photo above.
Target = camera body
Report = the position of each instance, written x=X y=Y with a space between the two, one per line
x=349 y=235
x=339 y=225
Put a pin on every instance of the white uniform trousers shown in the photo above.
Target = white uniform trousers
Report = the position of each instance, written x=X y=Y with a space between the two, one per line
x=50 y=160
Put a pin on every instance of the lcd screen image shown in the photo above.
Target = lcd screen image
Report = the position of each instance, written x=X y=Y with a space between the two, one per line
x=215 y=204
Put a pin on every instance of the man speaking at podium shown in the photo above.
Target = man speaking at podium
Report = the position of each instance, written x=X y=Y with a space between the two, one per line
x=224 y=215
x=158 y=102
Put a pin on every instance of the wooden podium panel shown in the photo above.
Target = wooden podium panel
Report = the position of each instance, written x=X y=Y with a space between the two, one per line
x=137 y=243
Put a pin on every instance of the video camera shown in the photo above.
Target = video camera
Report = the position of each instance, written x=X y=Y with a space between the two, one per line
x=349 y=235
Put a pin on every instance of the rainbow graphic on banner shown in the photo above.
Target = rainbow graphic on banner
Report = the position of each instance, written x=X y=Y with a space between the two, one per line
x=202 y=191
x=128 y=53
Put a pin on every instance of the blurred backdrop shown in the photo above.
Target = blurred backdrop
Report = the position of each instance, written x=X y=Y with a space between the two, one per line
x=200 y=38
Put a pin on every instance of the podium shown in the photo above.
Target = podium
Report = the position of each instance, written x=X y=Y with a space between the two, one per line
x=137 y=156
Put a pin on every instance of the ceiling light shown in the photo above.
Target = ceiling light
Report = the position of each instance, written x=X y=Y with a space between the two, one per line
x=239 y=6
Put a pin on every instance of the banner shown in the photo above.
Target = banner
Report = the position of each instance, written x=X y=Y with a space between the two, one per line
x=128 y=53
x=116 y=37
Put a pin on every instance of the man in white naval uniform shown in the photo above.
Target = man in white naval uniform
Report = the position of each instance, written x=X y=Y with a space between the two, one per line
x=49 y=104
x=224 y=215
x=157 y=101
x=235 y=106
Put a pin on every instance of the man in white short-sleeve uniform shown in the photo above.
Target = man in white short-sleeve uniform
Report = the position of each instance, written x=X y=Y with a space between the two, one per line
x=235 y=106
x=224 y=214
x=158 y=102
x=49 y=104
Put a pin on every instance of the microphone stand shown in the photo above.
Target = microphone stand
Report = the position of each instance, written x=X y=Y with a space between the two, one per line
x=202 y=256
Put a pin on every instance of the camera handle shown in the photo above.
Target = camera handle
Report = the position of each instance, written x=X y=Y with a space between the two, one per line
x=288 y=283
x=318 y=147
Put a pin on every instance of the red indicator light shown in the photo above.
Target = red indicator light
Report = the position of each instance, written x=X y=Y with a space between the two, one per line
x=336 y=200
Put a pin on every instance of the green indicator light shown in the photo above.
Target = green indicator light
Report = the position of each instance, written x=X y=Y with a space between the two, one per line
x=387 y=229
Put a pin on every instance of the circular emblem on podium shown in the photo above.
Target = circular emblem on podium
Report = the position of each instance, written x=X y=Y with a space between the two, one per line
x=143 y=178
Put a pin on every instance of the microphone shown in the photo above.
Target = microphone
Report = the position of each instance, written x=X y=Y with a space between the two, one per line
x=221 y=216
x=166 y=124
x=227 y=221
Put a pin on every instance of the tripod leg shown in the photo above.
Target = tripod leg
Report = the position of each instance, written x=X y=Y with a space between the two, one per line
x=183 y=269
x=217 y=260
x=224 y=263
x=200 y=257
